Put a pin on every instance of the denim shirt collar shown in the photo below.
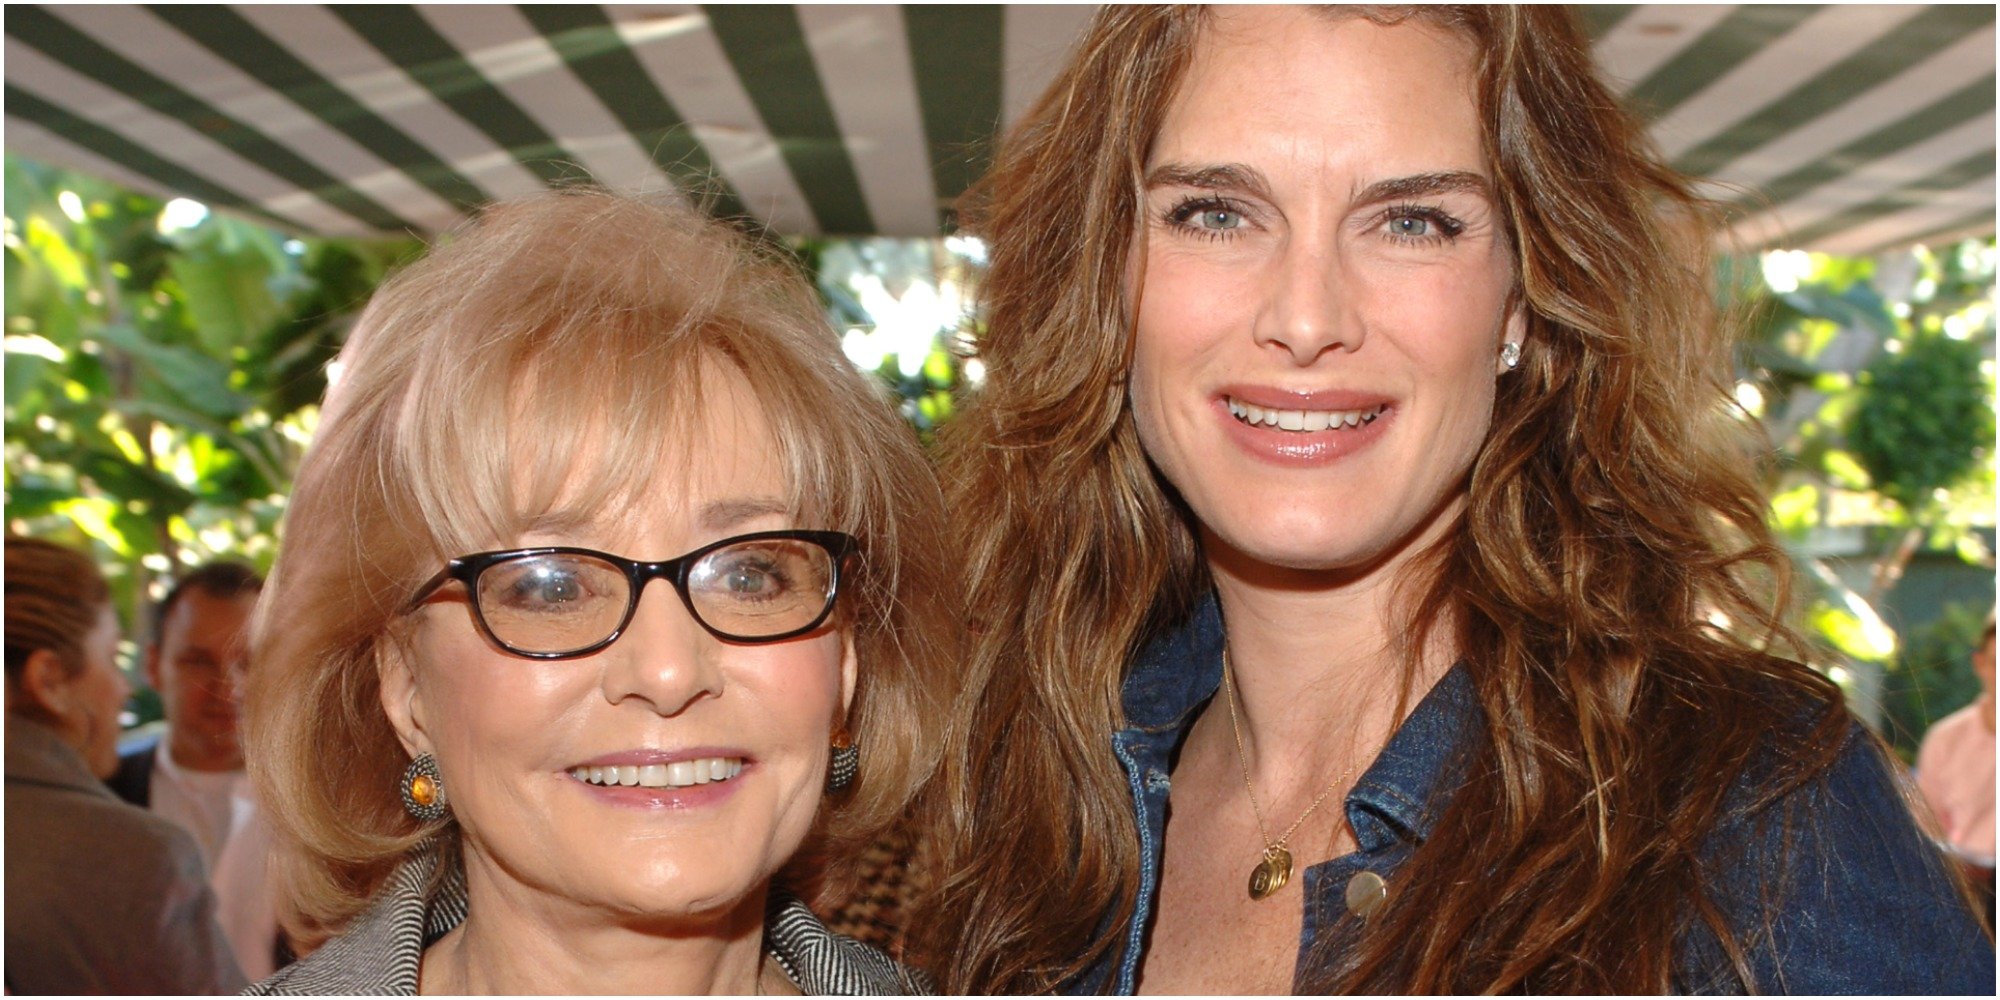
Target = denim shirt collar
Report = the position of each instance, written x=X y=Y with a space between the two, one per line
x=1182 y=669
x=1390 y=809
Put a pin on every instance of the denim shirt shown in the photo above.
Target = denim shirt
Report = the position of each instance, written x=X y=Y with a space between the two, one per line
x=1870 y=907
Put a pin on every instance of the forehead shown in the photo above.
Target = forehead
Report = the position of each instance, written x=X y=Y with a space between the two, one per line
x=1341 y=92
x=201 y=616
x=716 y=465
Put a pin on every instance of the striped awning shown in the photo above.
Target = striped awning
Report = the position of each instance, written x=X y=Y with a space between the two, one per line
x=1839 y=128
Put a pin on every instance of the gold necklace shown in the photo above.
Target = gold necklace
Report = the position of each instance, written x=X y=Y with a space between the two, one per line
x=1275 y=868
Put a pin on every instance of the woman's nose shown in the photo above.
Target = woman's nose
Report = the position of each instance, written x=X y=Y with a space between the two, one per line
x=664 y=659
x=1304 y=312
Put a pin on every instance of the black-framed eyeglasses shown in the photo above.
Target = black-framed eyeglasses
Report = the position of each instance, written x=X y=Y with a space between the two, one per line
x=558 y=602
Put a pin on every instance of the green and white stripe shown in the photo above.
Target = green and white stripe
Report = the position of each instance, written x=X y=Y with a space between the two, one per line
x=1847 y=128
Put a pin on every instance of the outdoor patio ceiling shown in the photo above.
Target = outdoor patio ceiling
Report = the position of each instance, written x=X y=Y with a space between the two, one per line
x=1839 y=128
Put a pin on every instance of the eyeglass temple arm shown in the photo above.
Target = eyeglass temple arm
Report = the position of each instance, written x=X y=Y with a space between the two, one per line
x=430 y=587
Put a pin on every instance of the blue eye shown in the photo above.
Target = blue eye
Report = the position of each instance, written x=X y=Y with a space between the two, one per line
x=754 y=580
x=552 y=584
x=547 y=587
x=1208 y=217
x=1219 y=218
x=1409 y=226
x=1419 y=224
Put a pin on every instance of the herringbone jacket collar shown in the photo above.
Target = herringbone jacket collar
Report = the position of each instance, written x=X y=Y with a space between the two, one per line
x=423 y=900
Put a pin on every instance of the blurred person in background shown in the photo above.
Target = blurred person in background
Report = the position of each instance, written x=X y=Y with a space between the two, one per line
x=1955 y=773
x=102 y=897
x=192 y=771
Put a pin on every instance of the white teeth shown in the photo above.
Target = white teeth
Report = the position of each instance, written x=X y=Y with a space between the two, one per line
x=679 y=774
x=1306 y=421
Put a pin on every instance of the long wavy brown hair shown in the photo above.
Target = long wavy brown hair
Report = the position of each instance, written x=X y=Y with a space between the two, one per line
x=1612 y=584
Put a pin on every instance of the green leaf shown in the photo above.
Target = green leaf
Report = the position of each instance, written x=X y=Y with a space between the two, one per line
x=94 y=516
x=234 y=447
x=24 y=376
x=55 y=254
x=227 y=295
x=939 y=370
x=1795 y=512
x=197 y=381
x=1844 y=470
x=1860 y=635
x=130 y=482
x=1857 y=306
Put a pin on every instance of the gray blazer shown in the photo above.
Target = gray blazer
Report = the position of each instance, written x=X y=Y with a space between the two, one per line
x=382 y=950
x=102 y=896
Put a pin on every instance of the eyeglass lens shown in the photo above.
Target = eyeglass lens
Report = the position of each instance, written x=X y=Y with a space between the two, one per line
x=560 y=602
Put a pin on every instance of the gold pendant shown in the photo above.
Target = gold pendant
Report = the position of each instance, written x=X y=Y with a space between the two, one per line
x=1271 y=874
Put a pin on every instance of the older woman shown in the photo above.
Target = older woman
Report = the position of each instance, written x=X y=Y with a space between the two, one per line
x=603 y=623
x=1375 y=595
x=102 y=896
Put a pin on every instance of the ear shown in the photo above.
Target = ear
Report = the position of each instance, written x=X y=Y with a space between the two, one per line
x=47 y=685
x=849 y=669
x=1514 y=330
x=402 y=701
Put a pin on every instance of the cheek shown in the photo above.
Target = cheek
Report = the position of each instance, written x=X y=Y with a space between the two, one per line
x=477 y=705
x=1447 y=321
x=794 y=688
x=1181 y=317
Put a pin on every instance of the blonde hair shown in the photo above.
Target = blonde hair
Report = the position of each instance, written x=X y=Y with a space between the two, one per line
x=586 y=317
x=1612 y=513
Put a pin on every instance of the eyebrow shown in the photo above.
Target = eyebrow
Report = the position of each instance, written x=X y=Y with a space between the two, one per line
x=719 y=514
x=1416 y=185
x=1237 y=175
x=1210 y=178
x=716 y=515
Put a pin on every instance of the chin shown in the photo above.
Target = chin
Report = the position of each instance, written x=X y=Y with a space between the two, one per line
x=689 y=905
x=1330 y=558
x=1319 y=544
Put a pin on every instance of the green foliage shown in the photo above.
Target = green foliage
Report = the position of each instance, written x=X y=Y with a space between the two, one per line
x=855 y=278
x=1867 y=392
x=162 y=371
x=1931 y=676
x=1874 y=382
x=1922 y=418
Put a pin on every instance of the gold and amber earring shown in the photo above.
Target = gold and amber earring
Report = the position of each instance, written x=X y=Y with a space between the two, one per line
x=842 y=764
x=423 y=790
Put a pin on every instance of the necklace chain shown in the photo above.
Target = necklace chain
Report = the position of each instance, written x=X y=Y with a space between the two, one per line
x=1243 y=762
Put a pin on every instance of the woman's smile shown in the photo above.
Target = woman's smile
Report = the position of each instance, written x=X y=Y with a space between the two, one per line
x=1301 y=429
x=656 y=779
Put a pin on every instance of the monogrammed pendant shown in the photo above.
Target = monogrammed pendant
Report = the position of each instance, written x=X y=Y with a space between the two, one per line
x=1271 y=874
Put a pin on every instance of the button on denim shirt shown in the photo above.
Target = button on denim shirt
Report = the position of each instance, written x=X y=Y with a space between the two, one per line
x=1870 y=908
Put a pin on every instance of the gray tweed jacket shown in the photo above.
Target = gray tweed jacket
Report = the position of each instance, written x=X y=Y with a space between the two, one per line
x=102 y=896
x=381 y=951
